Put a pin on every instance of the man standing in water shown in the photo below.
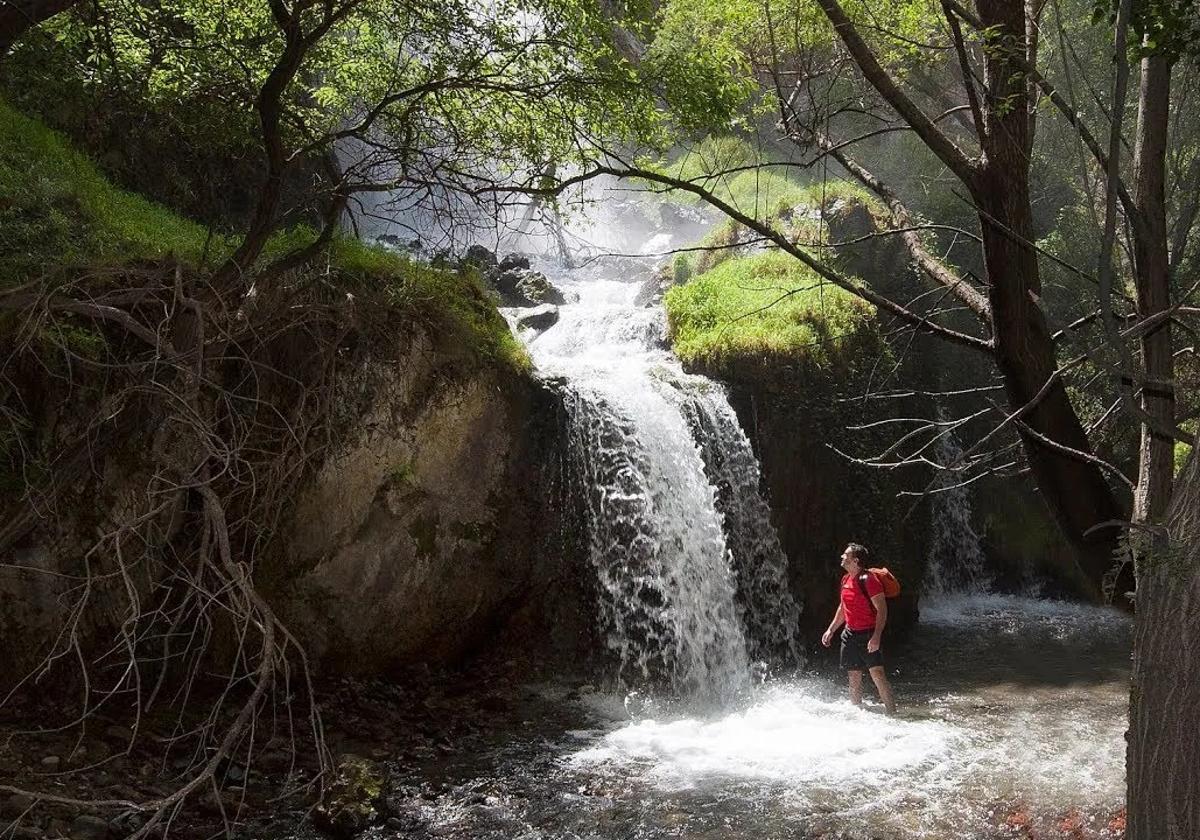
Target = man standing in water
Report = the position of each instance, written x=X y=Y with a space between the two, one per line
x=863 y=609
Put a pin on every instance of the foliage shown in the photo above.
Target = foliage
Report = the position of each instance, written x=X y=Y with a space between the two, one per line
x=1168 y=27
x=60 y=215
x=59 y=210
x=450 y=93
x=712 y=59
x=766 y=306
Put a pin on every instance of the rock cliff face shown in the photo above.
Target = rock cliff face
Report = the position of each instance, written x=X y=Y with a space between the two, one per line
x=423 y=535
x=819 y=500
x=421 y=538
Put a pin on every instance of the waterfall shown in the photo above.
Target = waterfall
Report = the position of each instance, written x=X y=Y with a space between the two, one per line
x=770 y=613
x=692 y=580
x=956 y=561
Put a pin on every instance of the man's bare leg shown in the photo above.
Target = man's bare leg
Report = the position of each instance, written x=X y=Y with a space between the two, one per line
x=855 y=687
x=884 y=688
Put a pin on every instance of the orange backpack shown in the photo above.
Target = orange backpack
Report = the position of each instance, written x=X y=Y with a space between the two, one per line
x=891 y=586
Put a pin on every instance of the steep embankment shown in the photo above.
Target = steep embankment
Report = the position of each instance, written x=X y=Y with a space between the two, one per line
x=379 y=432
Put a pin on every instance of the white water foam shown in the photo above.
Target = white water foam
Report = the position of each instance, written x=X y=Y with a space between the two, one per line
x=953 y=764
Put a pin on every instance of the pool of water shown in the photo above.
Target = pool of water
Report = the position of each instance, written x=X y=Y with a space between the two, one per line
x=1011 y=726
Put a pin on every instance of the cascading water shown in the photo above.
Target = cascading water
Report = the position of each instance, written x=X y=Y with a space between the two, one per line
x=692 y=578
x=956 y=560
x=769 y=612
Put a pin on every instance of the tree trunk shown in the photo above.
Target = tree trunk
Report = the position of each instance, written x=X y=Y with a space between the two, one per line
x=1156 y=462
x=1163 y=758
x=18 y=16
x=1074 y=488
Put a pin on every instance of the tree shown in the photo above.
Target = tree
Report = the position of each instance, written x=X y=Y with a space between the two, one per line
x=425 y=103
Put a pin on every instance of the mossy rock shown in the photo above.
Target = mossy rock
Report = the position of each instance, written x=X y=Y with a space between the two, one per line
x=355 y=800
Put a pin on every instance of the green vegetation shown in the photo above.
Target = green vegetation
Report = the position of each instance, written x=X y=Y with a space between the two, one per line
x=766 y=306
x=737 y=173
x=60 y=217
x=58 y=210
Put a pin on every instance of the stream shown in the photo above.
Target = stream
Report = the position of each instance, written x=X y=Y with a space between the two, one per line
x=711 y=724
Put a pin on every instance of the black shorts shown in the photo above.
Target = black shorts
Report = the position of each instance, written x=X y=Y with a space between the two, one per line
x=854 y=651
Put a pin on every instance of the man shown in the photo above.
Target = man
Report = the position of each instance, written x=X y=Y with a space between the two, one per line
x=863 y=609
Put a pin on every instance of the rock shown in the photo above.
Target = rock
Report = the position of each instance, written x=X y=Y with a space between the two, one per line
x=522 y=287
x=480 y=257
x=539 y=318
x=51 y=762
x=514 y=260
x=536 y=288
x=88 y=827
x=119 y=733
x=355 y=799
x=15 y=806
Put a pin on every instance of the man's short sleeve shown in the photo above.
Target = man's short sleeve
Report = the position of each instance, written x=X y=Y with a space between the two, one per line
x=874 y=586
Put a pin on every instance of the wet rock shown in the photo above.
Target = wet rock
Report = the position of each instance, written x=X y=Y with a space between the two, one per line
x=535 y=287
x=539 y=318
x=355 y=799
x=514 y=260
x=88 y=827
x=522 y=287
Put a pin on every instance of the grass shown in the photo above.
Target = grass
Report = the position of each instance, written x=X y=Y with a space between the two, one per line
x=60 y=216
x=57 y=208
x=767 y=307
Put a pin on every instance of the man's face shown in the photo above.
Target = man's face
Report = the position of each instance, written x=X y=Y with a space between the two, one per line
x=849 y=561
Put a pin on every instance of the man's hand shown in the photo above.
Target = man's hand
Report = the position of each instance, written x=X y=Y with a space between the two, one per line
x=873 y=644
x=827 y=639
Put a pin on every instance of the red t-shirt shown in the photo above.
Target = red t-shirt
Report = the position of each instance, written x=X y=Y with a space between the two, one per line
x=859 y=613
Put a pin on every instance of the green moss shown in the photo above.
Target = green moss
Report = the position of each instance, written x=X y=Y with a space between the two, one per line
x=454 y=304
x=60 y=216
x=56 y=208
x=767 y=305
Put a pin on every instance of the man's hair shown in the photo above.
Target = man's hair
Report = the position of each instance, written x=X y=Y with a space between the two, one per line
x=859 y=552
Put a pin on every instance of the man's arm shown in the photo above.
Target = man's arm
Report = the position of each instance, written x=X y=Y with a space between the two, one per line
x=880 y=602
x=839 y=618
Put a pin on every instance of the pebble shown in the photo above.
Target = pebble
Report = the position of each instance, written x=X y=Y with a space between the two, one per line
x=119 y=733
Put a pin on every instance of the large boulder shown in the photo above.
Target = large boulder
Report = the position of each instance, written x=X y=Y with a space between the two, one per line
x=418 y=539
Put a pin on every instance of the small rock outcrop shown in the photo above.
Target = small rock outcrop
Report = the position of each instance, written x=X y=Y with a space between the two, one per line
x=512 y=278
x=539 y=319
x=523 y=287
